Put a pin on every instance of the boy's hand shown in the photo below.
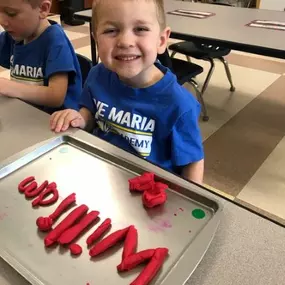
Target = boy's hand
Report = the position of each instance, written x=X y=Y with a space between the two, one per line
x=62 y=120
x=3 y=82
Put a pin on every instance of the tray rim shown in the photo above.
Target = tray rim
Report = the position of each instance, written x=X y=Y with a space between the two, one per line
x=186 y=264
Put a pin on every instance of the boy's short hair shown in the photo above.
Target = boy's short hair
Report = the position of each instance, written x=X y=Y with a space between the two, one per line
x=159 y=7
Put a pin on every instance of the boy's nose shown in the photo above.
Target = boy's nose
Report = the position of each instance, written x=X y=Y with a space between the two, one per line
x=125 y=40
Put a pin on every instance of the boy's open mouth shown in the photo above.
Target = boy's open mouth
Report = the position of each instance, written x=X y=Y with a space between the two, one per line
x=127 y=57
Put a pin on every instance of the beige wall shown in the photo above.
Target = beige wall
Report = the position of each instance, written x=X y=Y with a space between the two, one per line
x=278 y=5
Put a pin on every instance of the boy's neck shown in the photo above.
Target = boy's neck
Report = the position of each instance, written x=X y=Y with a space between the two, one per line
x=43 y=25
x=147 y=79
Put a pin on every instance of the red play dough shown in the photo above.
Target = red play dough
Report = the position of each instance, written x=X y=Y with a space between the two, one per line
x=75 y=249
x=131 y=241
x=32 y=192
x=52 y=185
x=70 y=234
x=155 y=196
x=152 y=267
x=99 y=232
x=41 y=201
x=135 y=259
x=45 y=223
x=108 y=242
x=71 y=218
x=141 y=183
x=23 y=184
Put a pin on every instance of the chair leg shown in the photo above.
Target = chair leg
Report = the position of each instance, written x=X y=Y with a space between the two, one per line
x=193 y=81
x=228 y=72
x=173 y=54
x=188 y=58
x=201 y=100
x=209 y=75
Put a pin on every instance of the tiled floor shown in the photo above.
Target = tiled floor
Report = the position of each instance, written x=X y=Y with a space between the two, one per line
x=244 y=139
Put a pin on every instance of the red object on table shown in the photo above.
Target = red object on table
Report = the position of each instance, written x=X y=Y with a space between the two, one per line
x=131 y=242
x=153 y=266
x=26 y=182
x=71 y=218
x=32 y=192
x=70 y=234
x=108 y=242
x=75 y=249
x=141 y=183
x=41 y=199
x=45 y=223
x=99 y=231
x=155 y=196
x=135 y=259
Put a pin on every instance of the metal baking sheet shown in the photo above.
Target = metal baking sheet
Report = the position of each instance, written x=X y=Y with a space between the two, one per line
x=100 y=180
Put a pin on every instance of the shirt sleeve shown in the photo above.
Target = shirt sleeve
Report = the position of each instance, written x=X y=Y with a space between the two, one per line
x=87 y=100
x=6 y=43
x=187 y=146
x=60 y=59
x=87 y=96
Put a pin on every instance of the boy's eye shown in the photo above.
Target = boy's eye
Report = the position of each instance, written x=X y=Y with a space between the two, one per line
x=11 y=13
x=109 y=31
x=141 y=29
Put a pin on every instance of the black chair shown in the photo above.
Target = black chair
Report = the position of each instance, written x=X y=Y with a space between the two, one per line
x=85 y=66
x=185 y=72
x=205 y=52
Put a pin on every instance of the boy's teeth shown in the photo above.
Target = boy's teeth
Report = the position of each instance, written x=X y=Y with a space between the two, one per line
x=127 y=57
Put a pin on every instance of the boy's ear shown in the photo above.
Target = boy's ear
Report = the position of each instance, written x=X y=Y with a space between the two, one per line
x=164 y=36
x=45 y=7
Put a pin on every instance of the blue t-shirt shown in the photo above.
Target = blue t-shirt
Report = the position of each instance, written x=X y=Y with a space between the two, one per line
x=159 y=123
x=35 y=62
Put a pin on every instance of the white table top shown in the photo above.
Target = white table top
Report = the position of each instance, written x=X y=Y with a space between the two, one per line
x=227 y=27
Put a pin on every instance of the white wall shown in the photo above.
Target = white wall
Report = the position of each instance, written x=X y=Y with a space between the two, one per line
x=278 y=5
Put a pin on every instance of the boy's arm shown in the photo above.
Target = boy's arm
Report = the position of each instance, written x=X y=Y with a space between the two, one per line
x=187 y=147
x=88 y=118
x=5 y=49
x=194 y=171
x=52 y=95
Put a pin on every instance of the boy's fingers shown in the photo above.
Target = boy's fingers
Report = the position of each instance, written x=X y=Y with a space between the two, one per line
x=60 y=122
x=56 y=118
x=76 y=123
x=70 y=119
x=53 y=120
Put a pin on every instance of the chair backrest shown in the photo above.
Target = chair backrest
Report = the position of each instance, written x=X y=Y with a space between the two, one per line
x=165 y=59
x=85 y=66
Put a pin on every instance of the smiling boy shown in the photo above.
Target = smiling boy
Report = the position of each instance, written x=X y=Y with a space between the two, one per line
x=136 y=102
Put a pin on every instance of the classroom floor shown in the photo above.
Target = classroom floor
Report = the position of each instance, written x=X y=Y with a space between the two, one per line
x=244 y=138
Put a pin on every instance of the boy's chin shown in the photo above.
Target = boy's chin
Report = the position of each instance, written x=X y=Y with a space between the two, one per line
x=16 y=38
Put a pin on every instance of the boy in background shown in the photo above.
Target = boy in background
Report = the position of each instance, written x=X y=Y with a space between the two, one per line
x=44 y=68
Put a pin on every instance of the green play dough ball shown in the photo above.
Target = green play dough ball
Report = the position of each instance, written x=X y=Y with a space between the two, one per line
x=198 y=214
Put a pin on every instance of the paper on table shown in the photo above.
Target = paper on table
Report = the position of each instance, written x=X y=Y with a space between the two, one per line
x=191 y=13
x=273 y=25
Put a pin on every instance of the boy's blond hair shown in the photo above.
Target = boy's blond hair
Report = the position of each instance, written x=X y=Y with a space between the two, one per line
x=159 y=7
